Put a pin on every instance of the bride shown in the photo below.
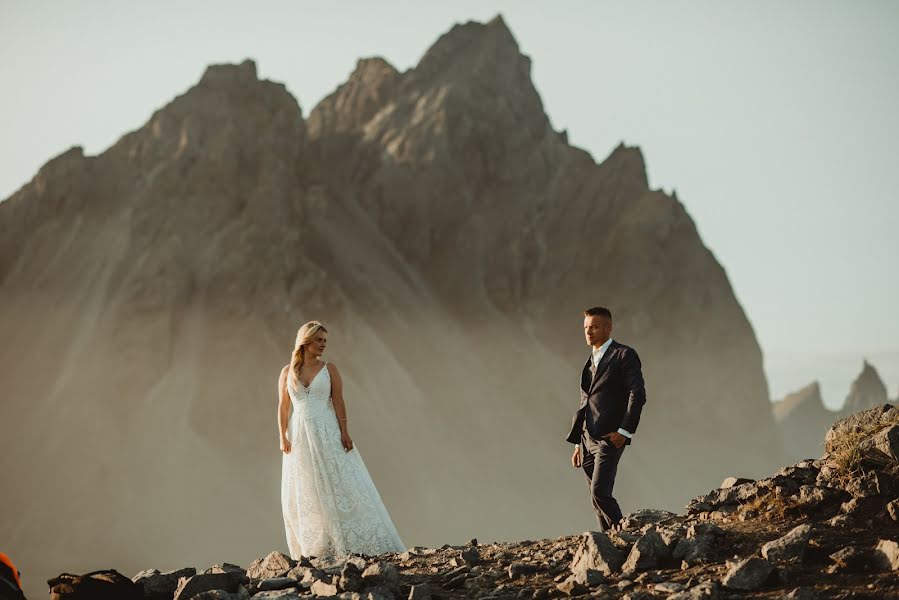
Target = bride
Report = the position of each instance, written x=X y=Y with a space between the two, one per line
x=330 y=504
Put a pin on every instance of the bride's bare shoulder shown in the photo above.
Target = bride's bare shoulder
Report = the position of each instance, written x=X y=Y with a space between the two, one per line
x=284 y=370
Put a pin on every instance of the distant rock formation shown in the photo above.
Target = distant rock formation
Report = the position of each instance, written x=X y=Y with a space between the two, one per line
x=803 y=419
x=867 y=391
x=449 y=238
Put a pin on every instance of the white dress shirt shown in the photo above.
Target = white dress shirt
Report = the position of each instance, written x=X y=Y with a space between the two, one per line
x=597 y=356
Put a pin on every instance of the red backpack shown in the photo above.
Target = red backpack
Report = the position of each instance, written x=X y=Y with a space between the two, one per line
x=10 y=583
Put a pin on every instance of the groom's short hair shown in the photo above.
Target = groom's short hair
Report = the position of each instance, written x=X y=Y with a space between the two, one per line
x=599 y=311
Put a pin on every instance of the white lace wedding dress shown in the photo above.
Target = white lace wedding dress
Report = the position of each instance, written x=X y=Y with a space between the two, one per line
x=330 y=504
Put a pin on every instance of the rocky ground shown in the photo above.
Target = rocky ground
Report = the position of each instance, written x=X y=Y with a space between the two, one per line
x=824 y=528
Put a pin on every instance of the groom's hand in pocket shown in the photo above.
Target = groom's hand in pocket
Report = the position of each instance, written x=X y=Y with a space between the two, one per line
x=576 y=457
x=616 y=438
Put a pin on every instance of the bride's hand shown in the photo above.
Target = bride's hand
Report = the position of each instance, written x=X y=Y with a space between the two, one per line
x=285 y=445
x=346 y=441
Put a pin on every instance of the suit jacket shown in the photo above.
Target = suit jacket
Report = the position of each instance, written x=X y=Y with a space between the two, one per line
x=613 y=397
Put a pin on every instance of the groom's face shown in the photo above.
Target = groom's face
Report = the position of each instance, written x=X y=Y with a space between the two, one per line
x=597 y=329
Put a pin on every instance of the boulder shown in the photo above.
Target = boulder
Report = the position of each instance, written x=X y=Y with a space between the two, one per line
x=350 y=578
x=276 y=564
x=646 y=553
x=886 y=555
x=748 y=574
x=381 y=573
x=161 y=585
x=790 y=547
x=892 y=509
x=322 y=588
x=188 y=587
x=596 y=551
x=645 y=516
x=887 y=441
x=277 y=583
x=420 y=591
x=850 y=559
x=730 y=482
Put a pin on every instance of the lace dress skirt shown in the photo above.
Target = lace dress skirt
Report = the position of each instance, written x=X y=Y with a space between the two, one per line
x=329 y=501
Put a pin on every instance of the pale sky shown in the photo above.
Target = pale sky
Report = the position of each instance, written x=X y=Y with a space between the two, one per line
x=776 y=122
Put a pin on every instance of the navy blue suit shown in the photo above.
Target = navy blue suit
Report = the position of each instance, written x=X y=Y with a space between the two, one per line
x=611 y=398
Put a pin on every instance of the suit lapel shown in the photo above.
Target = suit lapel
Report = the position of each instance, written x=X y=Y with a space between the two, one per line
x=603 y=363
x=585 y=375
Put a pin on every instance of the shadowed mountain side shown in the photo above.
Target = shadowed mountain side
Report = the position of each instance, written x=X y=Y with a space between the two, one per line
x=803 y=420
x=449 y=239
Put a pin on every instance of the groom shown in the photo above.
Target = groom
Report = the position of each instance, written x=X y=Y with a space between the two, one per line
x=612 y=396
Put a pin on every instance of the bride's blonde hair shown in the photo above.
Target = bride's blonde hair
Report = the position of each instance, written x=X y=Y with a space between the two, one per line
x=305 y=335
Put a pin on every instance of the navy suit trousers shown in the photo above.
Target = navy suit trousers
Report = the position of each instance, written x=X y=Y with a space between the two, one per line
x=599 y=459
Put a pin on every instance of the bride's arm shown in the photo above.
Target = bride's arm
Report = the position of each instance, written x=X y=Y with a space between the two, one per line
x=283 y=403
x=337 y=400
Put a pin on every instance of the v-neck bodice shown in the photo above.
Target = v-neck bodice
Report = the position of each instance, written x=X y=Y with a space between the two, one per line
x=314 y=400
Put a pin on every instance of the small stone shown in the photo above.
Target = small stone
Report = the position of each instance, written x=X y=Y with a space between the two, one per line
x=789 y=547
x=320 y=588
x=647 y=552
x=850 y=507
x=277 y=583
x=694 y=549
x=189 y=587
x=892 y=508
x=732 y=481
x=644 y=516
x=456 y=581
x=381 y=572
x=887 y=441
x=517 y=569
x=748 y=574
x=379 y=593
x=850 y=559
x=802 y=593
x=707 y=590
x=669 y=587
x=158 y=584
x=350 y=578
x=470 y=556
x=886 y=555
x=596 y=551
x=570 y=587
x=276 y=564
x=840 y=521
x=588 y=577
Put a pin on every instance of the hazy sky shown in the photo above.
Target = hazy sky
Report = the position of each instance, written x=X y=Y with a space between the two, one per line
x=776 y=122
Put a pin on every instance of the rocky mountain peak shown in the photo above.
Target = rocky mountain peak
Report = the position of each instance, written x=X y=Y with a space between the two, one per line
x=226 y=75
x=804 y=400
x=867 y=391
x=473 y=43
x=369 y=87
x=628 y=162
x=227 y=115
x=478 y=56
